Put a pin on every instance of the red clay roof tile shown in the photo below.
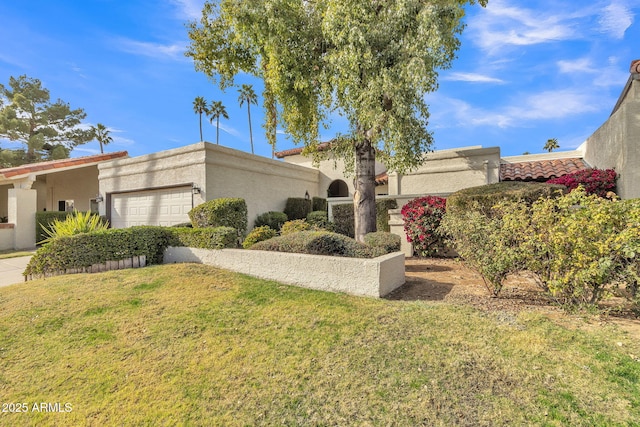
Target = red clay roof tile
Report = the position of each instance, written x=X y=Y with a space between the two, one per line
x=63 y=163
x=540 y=170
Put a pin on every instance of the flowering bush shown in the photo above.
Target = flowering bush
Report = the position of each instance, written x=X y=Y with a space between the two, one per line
x=421 y=218
x=594 y=181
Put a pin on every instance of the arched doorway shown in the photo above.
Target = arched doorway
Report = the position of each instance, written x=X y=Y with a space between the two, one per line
x=338 y=188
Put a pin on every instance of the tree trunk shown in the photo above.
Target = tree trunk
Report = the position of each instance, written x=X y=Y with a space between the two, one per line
x=364 y=199
x=200 y=126
x=250 y=132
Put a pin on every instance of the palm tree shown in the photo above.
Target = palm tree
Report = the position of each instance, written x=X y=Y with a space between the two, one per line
x=215 y=111
x=249 y=96
x=200 y=107
x=101 y=134
x=551 y=144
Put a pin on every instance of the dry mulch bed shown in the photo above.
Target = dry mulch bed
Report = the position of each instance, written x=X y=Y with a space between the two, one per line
x=449 y=280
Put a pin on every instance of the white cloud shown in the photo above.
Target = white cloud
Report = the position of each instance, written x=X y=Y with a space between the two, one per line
x=501 y=24
x=231 y=131
x=153 y=50
x=581 y=65
x=189 y=9
x=554 y=105
x=615 y=19
x=471 y=77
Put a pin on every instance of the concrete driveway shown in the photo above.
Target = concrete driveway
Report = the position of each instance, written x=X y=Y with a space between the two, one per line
x=11 y=270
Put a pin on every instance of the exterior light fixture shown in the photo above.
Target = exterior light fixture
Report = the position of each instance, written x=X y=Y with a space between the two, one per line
x=195 y=190
x=306 y=195
x=99 y=199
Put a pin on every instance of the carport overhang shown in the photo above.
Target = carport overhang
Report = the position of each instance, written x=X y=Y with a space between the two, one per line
x=19 y=231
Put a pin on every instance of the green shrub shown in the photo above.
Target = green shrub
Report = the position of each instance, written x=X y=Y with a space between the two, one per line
x=297 y=208
x=319 y=204
x=488 y=243
x=320 y=219
x=226 y=212
x=318 y=243
x=295 y=226
x=183 y=225
x=272 y=219
x=258 y=234
x=87 y=249
x=206 y=238
x=44 y=221
x=485 y=197
x=79 y=222
x=343 y=219
x=382 y=239
x=382 y=213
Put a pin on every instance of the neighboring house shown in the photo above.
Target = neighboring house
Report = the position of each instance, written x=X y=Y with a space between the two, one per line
x=161 y=188
x=58 y=185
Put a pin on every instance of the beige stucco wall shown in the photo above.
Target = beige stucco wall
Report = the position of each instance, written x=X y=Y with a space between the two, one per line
x=265 y=184
x=374 y=277
x=330 y=171
x=448 y=171
x=616 y=144
x=79 y=185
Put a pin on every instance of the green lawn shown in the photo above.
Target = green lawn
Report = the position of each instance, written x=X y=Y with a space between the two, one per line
x=193 y=345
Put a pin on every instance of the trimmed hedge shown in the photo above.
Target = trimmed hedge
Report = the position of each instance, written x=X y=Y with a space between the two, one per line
x=272 y=219
x=485 y=197
x=382 y=213
x=258 y=234
x=344 y=220
x=84 y=250
x=297 y=208
x=319 y=218
x=319 y=243
x=382 y=239
x=295 y=226
x=225 y=212
x=319 y=204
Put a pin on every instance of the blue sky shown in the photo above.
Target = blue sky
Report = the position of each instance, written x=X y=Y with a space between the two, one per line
x=527 y=71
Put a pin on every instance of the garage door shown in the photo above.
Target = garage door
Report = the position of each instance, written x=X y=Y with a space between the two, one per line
x=151 y=207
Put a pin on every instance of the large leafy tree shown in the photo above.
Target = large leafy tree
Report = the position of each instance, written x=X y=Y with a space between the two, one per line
x=248 y=95
x=101 y=134
x=200 y=108
x=371 y=61
x=48 y=130
x=217 y=110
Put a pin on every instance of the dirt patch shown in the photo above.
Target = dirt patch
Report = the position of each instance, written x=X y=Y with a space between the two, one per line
x=448 y=280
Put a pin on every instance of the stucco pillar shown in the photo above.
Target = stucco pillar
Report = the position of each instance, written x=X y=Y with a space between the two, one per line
x=22 y=205
x=396 y=225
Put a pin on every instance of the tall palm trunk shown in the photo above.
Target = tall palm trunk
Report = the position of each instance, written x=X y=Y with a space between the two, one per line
x=200 y=126
x=218 y=131
x=250 y=132
x=364 y=199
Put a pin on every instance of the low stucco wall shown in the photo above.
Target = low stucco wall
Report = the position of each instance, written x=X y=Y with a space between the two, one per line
x=366 y=277
x=7 y=237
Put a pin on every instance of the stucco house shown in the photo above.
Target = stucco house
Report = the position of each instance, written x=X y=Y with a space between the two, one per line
x=161 y=188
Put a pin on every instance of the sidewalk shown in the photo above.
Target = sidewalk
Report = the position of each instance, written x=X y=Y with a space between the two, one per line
x=11 y=270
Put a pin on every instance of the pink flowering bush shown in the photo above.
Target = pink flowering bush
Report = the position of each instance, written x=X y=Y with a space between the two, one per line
x=594 y=181
x=422 y=218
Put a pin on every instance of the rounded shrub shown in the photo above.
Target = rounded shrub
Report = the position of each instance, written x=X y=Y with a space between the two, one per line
x=297 y=208
x=485 y=197
x=319 y=243
x=225 y=212
x=382 y=239
x=258 y=234
x=273 y=219
x=319 y=219
x=422 y=218
x=295 y=226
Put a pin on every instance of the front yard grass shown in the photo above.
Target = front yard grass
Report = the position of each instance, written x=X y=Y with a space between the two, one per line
x=193 y=345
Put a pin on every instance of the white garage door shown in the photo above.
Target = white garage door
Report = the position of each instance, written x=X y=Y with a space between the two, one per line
x=165 y=207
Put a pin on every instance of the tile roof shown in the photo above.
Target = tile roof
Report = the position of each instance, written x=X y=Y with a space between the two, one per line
x=59 y=164
x=540 y=170
x=635 y=66
x=294 y=151
x=382 y=178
